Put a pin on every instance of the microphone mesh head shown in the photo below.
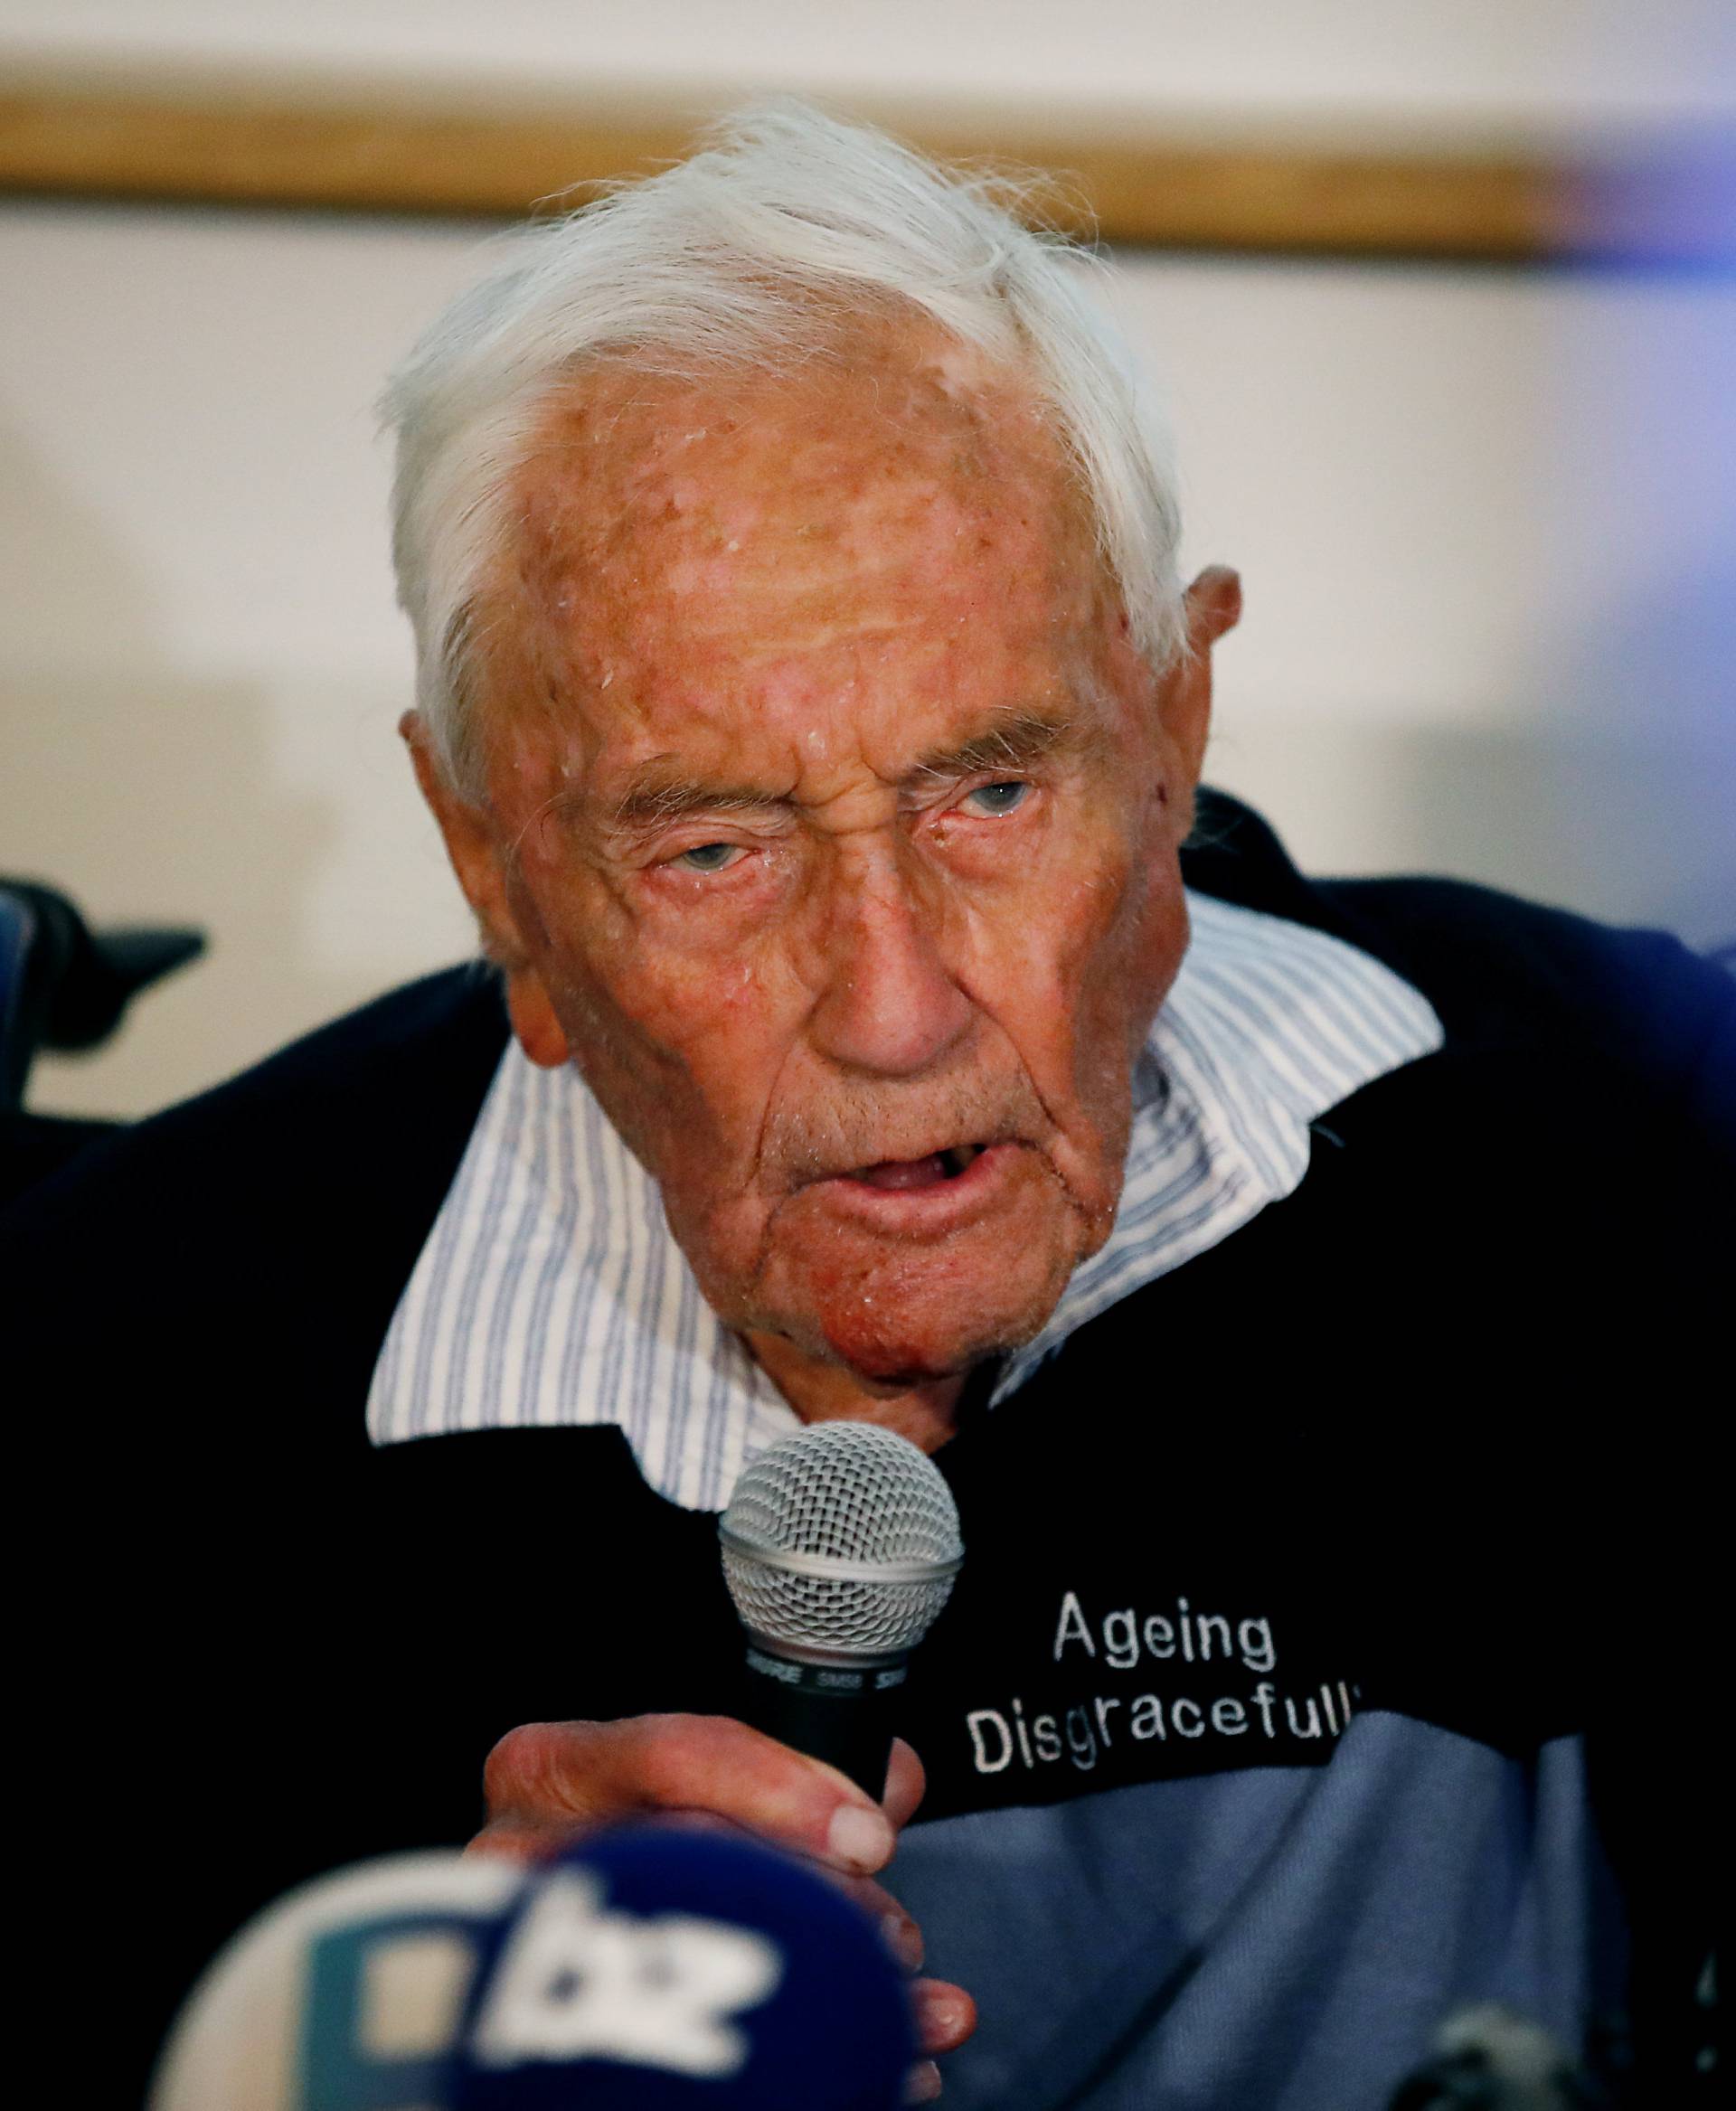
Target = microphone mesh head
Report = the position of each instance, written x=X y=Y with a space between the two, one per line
x=846 y=1492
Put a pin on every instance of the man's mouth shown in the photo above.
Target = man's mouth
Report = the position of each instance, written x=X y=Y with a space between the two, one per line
x=927 y=1198
x=905 y=1175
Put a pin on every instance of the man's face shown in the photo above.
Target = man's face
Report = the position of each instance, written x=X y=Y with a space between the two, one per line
x=834 y=827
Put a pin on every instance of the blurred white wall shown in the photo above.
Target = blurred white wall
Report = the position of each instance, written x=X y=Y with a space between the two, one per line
x=1485 y=520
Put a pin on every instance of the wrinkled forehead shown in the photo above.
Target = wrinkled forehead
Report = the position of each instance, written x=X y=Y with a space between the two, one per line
x=879 y=508
x=910 y=449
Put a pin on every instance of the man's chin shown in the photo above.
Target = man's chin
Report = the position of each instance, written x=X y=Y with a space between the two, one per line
x=900 y=1319
x=893 y=1366
x=904 y=1358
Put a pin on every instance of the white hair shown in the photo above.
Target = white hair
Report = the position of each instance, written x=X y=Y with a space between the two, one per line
x=747 y=251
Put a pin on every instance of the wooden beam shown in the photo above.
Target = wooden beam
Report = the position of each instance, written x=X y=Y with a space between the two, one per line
x=248 y=148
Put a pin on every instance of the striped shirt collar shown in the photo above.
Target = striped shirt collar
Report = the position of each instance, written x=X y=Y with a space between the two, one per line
x=552 y=1293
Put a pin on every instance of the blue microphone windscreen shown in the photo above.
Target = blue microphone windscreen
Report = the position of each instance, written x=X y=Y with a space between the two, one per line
x=664 y=1968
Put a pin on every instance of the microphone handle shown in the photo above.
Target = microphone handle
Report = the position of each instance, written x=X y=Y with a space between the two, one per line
x=841 y=1715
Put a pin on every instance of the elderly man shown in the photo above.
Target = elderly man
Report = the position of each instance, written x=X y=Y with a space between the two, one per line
x=814 y=719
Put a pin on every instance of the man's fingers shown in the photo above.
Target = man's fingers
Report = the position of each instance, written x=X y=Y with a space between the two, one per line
x=512 y=1839
x=548 y=1781
x=507 y=1839
x=897 y=1929
x=945 y=2015
x=554 y=1776
x=905 y=1782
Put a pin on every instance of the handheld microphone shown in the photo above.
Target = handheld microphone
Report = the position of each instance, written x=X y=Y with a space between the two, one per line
x=840 y=1546
x=659 y=1968
x=650 y=1968
x=347 y=1993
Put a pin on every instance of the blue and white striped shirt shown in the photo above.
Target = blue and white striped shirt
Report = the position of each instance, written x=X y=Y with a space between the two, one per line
x=550 y=1291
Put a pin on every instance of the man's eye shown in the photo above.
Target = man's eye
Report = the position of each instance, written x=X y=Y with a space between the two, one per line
x=709 y=857
x=998 y=799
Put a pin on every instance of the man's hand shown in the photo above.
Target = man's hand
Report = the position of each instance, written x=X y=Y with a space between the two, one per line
x=548 y=1780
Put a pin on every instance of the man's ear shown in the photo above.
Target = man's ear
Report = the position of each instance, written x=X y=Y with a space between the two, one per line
x=1212 y=606
x=474 y=847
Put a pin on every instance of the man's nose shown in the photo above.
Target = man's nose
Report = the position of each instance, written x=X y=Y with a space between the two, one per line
x=888 y=1004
